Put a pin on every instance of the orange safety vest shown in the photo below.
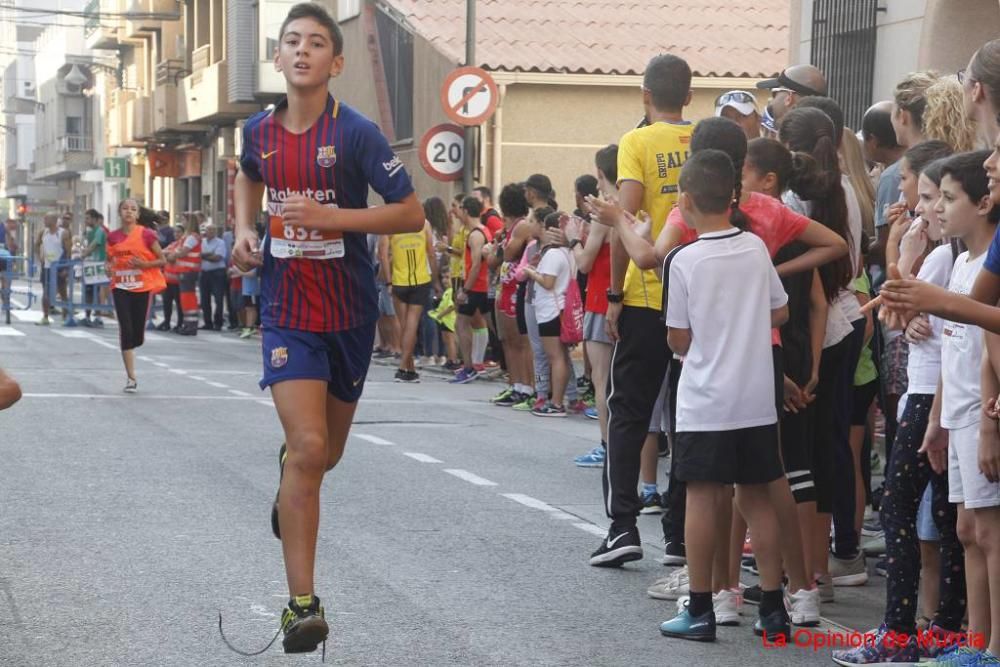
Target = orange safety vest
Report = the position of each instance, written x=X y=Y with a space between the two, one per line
x=126 y=277
x=191 y=262
x=170 y=272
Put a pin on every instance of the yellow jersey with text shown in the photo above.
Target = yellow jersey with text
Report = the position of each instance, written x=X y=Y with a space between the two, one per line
x=409 y=259
x=653 y=156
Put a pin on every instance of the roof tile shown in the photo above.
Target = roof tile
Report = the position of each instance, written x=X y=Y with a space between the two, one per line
x=717 y=38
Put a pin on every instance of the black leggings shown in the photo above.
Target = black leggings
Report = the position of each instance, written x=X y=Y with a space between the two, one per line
x=905 y=481
x=131 y=309
x=171 y=297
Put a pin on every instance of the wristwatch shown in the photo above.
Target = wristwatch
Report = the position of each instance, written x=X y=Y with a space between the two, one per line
x=574 y=243
x=614 y=297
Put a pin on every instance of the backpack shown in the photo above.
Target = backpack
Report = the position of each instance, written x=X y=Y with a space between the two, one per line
x=571 y=322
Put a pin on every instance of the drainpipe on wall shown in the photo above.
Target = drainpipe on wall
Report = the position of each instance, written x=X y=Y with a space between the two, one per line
x=497 y=141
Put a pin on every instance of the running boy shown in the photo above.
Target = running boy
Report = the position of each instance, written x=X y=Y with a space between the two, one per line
x=315 y=157
x=727 y=429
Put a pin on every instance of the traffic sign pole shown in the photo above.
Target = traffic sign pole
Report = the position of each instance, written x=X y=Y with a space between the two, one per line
x=470 y=61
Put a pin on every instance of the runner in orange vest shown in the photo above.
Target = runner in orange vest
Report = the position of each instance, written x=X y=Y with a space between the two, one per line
x=186 y=263
x=134 y=261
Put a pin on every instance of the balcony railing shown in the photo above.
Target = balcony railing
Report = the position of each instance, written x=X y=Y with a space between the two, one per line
x=168 y=71
x=76 y=143
x=92 y=22
x=201 y=58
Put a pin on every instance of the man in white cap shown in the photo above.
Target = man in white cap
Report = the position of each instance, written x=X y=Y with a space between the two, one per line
x=741 y=107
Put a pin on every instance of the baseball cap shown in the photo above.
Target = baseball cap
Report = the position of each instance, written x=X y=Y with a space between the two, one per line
x=784 y=81
x=541 y=183
x=740 y=100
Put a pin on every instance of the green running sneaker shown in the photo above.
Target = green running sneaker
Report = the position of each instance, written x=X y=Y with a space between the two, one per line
x=304 y=625
x=527 y=405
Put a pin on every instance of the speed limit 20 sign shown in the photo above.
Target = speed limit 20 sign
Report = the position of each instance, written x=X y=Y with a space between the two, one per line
x=441 y=152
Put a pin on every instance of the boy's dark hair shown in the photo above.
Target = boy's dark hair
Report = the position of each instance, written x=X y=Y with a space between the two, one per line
x=606 y=161
x=933 y=170
x=768 y=156
x=542 y=212
x=553 y=220
x=513 y=203
x=668 y=80
x=586 y=185
x=472 y=206
x=484 y=192
x=877 y=123
x=967 y=169
x=922 y=154
x=725 y=135
x=317 y=12
x=92 y=213
x=709 y=179
x=829 y=106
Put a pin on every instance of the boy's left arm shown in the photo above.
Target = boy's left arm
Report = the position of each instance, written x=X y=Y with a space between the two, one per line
x=385 y=173
x=989 y=430
x=676 y=307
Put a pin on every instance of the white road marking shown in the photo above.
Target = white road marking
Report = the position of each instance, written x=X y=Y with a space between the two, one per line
x=155 y=337
x=423 y=458
x=217 y=385
x=26 y=315
x=145 y=358
x=141 y=396
x=592 y=529
x=237 y=392
x=223 y=339
x=537 y=504
x=72 y=333
x=104 y=343
x=178 y=371
x=268 y=404
x=469 y=477
x=10 y=331
x=374 y=439
x=198 y=378
x=161 y=364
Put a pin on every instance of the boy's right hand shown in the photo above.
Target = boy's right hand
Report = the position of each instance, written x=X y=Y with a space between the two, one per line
x=246 y=251
x=918 y=330
x=611 y=321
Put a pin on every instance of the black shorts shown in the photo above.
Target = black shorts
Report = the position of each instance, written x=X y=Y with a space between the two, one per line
x=742 y=456
x=413 y=295
x=863 y=397
x=550 y=329
x=476 y=301
x=250 y=301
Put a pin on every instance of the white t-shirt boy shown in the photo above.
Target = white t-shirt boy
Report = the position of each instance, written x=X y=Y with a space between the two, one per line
x=961 y=354
x=549 y=303
x=723 y=288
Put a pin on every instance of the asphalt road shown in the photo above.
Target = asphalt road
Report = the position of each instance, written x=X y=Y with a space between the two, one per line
x=453 y=532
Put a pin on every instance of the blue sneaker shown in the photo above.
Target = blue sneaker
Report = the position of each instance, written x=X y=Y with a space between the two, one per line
x=464 y=376
x=984 y=658
x=961 y=656
x=591 y=413
x=882 y=649
x=685 y=626
x=592 y=459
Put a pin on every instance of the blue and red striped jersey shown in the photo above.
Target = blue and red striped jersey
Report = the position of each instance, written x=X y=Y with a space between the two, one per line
x=315 y=281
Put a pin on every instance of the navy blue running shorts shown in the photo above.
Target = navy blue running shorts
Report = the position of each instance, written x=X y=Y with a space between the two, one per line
x=341 y=358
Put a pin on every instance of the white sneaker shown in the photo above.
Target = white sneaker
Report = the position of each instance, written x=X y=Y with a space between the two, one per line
x=671 y=587
x=803 y=606
x=727 y=605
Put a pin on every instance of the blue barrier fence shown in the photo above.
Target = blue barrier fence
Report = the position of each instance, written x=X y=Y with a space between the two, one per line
x=80 y=275
x=14 y=267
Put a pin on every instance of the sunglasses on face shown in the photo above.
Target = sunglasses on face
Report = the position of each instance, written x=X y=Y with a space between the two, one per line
x=777 y=91
x=739 y=96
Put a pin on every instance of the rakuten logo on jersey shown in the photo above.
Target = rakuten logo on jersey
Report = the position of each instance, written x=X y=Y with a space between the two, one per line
x=328 y=196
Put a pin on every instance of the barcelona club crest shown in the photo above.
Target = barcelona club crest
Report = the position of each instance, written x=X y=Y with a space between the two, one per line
x=279 y=357
x=326 y=156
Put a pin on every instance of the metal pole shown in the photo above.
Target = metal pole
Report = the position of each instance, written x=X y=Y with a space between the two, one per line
x=470 y=59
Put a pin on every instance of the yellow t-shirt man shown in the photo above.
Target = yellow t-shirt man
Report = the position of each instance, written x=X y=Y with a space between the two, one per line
x=652 y=155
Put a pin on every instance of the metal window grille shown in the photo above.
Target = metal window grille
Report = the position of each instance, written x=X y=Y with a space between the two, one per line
x=396 y=46
x=843 y=47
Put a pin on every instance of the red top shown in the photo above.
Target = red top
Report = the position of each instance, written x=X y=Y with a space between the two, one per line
x=775 y=224
x=483 y=279
x=492 y=221
x=598 y=281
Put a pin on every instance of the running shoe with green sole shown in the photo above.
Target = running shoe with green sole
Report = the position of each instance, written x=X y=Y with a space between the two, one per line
x=304 y=628
x=527 y=405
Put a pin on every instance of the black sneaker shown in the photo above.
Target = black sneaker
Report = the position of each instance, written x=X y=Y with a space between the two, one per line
x=749 y=564
x=305 y=628
x=752 y=594
x=618 y=548
x=163 y=326
x=411 y=377
x=400 y=375
x=674 y=553
x=651 y=504
x=774 y=624
x=275 y=528
x=511 y=399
